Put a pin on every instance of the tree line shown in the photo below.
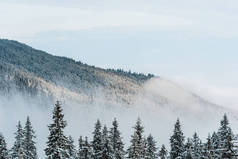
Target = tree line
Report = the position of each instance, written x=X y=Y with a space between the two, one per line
x=107 y=143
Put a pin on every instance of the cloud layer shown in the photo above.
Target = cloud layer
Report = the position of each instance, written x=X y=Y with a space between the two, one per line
x=24 y=19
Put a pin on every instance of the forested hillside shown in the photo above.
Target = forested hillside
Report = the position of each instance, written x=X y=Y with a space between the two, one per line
x=38 y=73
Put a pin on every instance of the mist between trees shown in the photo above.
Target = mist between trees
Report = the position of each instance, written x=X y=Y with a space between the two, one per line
x=107 y=143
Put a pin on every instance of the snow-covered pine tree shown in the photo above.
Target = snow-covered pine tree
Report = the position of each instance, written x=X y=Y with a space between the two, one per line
x=196 y=147
x=163 y=153
x=71 y=148
x=188 y=149
x=85 y=150
x=29 y=147
x=116 y=141
x=207 y=148
x=177 y=142
x=3 y=148
x=214 y=145
x=204 y=151
x=139 y=129
x=151 y=148
x=144 y=147
x=134 y=149
x=137 y=149
x=107 y=150
x=226 y=140
x=97 y=144
x=80 y=149
x=19 y=142
x=57 y=141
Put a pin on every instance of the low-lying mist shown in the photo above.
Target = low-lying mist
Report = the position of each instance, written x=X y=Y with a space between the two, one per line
x=159 y=105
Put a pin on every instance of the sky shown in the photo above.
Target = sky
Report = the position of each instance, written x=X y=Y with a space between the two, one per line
x=192 y=42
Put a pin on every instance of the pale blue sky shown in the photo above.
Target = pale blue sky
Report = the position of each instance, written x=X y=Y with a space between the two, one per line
x=162 y=53
x=184 y=40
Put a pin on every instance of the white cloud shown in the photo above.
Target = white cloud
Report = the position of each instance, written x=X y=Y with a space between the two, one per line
x=198 y=17
x=28 y=20
x=221 y=94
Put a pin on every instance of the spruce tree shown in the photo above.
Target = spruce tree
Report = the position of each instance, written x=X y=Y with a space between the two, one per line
x=137 y=149
x=207 y=148
x=196 y=147
x=29 y=147
x=3 y=148
x=57 y=144
x=134 y=149
x=71 y=148
x=97 y=144
x=85 y=151
x=215 y=145
x=19 y=143
x=226 y=139
x=107 y=150
x=144 y=147
x=163 y=153
x=151 y=148
x=116 y=141
x=188 y=149
x=139 y=129
x=80 y=150
x=177 y=142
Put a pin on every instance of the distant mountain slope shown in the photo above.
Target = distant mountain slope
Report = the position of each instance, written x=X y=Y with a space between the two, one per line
x=38 y=73
x=89 y=93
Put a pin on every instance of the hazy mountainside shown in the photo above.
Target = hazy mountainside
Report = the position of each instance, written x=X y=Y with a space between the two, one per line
x=35 y=72
x=89 y=93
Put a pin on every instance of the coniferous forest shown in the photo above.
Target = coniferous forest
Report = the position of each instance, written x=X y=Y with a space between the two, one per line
x=107 y=143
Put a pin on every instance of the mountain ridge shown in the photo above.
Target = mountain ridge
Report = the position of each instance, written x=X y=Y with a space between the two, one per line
x=35 y=73
x=25 y=68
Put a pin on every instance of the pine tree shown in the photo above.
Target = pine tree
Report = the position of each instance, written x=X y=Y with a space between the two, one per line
x=97 y=144
x=116 y=141
x=85 y=151
x=71 y=148
x=3 y=148
x=204 y=152
x=226 y=139
x=80 y=150
x=57 y=142
x=136 y=150
x=177 y=142
x=196 y=147
x=188 y=149
x=144 y=147
x=29 y=143
x=207 y=148
x=139 y=129
x=151 y=148
x=163 y=153
x=19 y=142
x=107 y=151
x=214 y=145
